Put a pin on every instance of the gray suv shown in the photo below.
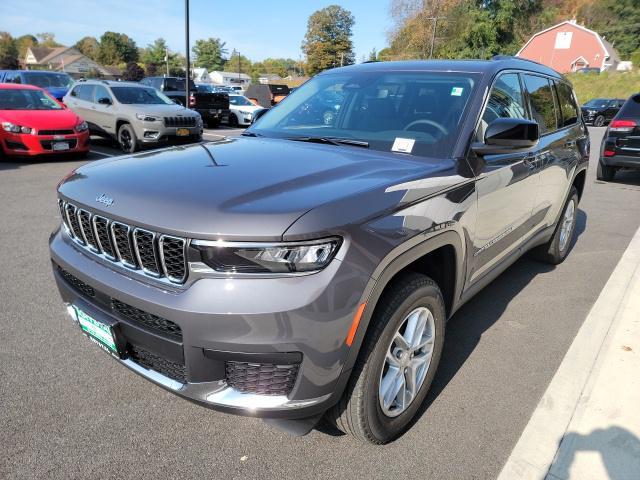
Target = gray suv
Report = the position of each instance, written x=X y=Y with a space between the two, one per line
x=307 y=268
x=132 y=114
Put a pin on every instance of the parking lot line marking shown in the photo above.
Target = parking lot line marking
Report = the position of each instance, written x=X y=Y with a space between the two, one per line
x=536 y=450
x=103 y=154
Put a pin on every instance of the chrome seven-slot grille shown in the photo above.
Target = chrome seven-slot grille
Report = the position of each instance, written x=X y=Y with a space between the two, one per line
x=153 y=254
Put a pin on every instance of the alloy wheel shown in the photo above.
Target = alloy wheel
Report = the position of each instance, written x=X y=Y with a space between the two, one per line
x=567 y=224
x=407 y=361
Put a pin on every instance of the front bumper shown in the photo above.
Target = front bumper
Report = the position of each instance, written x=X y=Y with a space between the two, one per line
x=230 y=320
x=21 y=145
x=151 y=134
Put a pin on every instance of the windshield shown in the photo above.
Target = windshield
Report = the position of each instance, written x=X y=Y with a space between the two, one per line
x=23 y=99
x=410 y=112
x=597 y=103
x=140 y=96
x=48 y=80
x=240 y=100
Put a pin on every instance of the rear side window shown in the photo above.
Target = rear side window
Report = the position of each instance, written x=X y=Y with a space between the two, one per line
x=542 y=102
x=568 y=107
x=631 y=108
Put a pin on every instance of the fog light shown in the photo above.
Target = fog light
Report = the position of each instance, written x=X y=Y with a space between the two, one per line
x=151 y=135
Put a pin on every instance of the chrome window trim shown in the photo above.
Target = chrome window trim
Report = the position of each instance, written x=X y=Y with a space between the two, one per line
x=163 y=265
x=95 y=229
x=153 y=246
x=114 y=243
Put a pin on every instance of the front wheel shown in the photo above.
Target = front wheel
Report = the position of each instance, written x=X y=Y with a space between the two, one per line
x=127 y=139
x=599 y=121
x=396 y=364
x=233 y=120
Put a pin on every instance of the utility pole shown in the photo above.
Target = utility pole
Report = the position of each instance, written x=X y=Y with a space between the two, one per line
x=166 y=59
x=186 y=36
x=342 y=59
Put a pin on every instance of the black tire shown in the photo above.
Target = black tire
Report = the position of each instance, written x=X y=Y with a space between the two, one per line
x=555 y=250
x=233 y=120
x=599 y=121
x=359 y=411
x=127 y=140
x=605 y=172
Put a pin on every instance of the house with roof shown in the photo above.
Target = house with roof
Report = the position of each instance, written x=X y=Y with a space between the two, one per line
x=568 y=47
x=230 y=79
x=67 y=59
x=200 y=75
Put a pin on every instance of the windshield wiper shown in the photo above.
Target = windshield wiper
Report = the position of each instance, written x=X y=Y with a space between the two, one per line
x=250 y=134
x=331 y=141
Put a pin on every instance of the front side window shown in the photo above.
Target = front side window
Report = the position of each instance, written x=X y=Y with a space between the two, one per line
x=542 y=102
x=140 y=96
x=23 y=99
x=101 y=92
x=383 y=109
x=505 y=101
x=239 y=100
x=568 y=107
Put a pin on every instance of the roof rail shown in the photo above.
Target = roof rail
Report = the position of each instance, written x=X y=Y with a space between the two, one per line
x=514 y=57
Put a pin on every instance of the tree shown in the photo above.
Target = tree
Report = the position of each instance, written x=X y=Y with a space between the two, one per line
x=151 y=70
x=617 y=20
x=209 y=54
x=89 y=47
x=327 y=42
x=8 y=51
x=117 y=48
x=373 y=55
x=238 y=63
x=155 y=54
x=47 y=39
x=24 y=42
x=133 y=72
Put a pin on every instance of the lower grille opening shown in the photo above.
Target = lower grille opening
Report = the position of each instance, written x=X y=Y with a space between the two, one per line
x=151 y=361
x=261 y=378
x=147 y=320
x=77 y=283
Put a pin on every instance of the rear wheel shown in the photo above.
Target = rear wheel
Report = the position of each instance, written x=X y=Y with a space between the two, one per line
x=605 y=172
x=397 y=362
x=233 y=120
x=599 y=121
x=127 y=139
x=557 y=248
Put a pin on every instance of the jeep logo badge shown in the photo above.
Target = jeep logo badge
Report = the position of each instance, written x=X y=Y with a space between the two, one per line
x=107 y=201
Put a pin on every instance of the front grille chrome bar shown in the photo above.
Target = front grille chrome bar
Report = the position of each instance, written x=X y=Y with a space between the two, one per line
x=162 y=257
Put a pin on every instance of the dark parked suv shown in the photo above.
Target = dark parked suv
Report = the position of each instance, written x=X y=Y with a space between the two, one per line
x=308 y=267
x=600 y=111
x=621 y=143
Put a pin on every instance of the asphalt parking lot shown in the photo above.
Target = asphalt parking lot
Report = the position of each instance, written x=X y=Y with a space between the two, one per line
x=69 y=411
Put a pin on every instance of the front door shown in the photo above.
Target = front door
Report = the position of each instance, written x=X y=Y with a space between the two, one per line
x=507 y=184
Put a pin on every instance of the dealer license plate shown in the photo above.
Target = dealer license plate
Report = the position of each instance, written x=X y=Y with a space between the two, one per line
x=98 y=332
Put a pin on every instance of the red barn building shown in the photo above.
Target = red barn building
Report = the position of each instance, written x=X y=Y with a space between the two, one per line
x=568 y=47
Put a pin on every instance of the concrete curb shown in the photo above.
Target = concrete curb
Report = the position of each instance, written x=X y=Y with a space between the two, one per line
x=587 y=411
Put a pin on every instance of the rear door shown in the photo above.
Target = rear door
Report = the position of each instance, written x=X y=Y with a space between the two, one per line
x=556 y=157
x=507 y=184
x=81 y=102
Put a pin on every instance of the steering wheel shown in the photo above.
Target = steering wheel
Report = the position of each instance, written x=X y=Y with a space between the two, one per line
x=431 y=123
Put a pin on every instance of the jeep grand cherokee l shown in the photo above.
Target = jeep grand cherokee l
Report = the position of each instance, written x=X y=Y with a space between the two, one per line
x=307 y=269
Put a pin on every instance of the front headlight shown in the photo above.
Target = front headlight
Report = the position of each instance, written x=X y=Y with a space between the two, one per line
x=266 y=258
x=13 y=128
x=146 y=118
x=82 y=126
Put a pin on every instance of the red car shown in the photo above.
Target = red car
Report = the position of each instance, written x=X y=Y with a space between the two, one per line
x=34 y=123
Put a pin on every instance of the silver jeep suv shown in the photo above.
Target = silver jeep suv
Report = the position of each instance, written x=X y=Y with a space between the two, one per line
x=132 y=114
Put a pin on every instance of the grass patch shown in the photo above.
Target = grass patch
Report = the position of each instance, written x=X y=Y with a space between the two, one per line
x=605 y=85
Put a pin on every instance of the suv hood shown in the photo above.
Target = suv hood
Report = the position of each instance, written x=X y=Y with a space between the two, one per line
x=160 y=110
x=244 y=188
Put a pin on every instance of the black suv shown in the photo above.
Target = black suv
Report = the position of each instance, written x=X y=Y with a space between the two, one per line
x=213 y=107
x=600 y=111
x=621 y=144
x=308 y=267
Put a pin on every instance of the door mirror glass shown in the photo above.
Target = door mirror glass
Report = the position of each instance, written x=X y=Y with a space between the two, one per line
x=104 y=101
x=505 y=135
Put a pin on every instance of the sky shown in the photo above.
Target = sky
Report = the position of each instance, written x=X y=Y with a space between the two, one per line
x=257 y=28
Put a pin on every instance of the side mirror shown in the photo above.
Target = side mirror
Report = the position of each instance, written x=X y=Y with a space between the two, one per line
x=506 y=135
x=259 y=114
x=104 y=101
